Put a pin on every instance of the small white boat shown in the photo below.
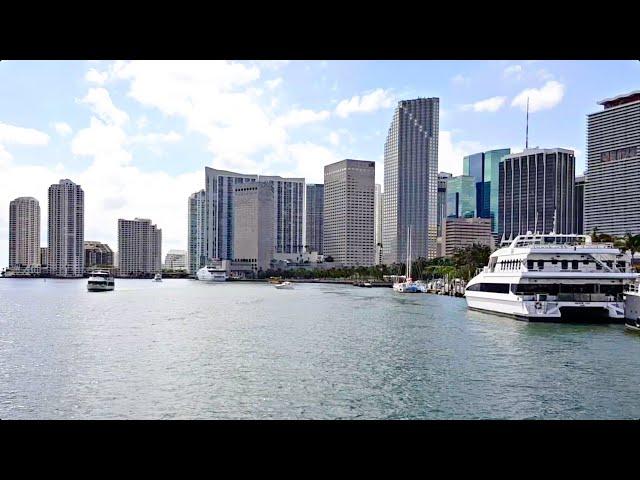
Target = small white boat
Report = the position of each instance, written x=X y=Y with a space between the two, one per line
x=408 y=286
x=284 y=286
x=158 y=277
x=100 y=281
x=367 y=284
x=632 y=327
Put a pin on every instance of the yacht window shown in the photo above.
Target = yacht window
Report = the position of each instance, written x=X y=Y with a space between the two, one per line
x=621 y=265
x=574 y=265
x=609 y=263
x=554 y=262
x=610 y=289
x=529 y=264
x=565 y=264
x=585 y=262
x=540 y=264
x=598 y=266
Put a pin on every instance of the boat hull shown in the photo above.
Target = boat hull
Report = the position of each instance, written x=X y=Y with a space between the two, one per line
x=100 y=288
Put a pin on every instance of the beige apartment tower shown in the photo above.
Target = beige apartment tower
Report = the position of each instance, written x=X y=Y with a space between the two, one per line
x=139 y=248
x=66 y=229
x=24 y=234
x=349 y=210
x=253 y=240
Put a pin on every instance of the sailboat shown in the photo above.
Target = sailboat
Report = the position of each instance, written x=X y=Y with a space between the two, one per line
x=408 y=286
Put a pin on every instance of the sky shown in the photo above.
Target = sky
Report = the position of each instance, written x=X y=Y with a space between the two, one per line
x=136 y=135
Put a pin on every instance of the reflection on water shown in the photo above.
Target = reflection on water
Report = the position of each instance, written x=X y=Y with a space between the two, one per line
x=186 y=349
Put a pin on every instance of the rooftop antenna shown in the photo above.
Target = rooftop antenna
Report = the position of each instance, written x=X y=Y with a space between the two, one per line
x=526 y=144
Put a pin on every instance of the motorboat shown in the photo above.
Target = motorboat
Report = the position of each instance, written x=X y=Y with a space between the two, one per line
x=284 y=286
x=100 y=281
x=553 y=277
x=157 y=277
x=632 y=307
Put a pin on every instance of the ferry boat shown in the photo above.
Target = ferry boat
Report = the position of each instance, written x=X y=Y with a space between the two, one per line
x=212 y=274
x=100 y=281
x=553 y=277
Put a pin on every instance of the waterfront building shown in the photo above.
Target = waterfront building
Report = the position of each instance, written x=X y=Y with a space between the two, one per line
x=578 y=205
x=253 y=240
x=461 y=197
x=442 y=199
x=411 y=180
x=176 y=260
x=197 y=233
x=378 y=209
x=139 y=248
x=288 y=208
x=44 y=259
x=24 y=234
x=66 y=229
x=97 y=255
x=536 y=192
x=612 y=185
x=462 y=232
x=484 y=167
x=349 y=212
x=315 y=206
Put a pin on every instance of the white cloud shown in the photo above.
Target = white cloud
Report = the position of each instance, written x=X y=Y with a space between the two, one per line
x=12 y=135
x=334 y=138
x=94 y=76
x=542 y=98
x=513 y=70
x=460 y=80
x=101 y=104
x=296 y=118
x=492 y=104
x=544 y=75
x=369 y=102
x=102 y=141
x=271 y=84
x=451 y=153
x=155 y=138
x=142 y=122
x=63 y=128
x=308 y=160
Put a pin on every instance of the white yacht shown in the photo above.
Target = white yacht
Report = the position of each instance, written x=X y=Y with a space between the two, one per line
x=284 y=286
x=212 y=274
x=158 y=277
x=408 y=286
x=100 y=281
x=632 y=307
x=553 y=277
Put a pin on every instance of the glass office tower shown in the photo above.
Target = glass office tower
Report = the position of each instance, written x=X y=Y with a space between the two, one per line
x=461 y=197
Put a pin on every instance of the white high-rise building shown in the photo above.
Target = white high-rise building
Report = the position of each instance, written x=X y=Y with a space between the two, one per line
x=378 y=224
x=66 y=229
x=349 y=191
x=197 y=234
x=139 y=248
x=411 y=180
x=24 y=234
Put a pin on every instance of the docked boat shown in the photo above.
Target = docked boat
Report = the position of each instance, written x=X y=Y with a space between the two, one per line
x=553 y=277
x=632 y=307
x=284 y=286
x=157 y=277
x=408 y=286
x=100 y=281
x=212 y=274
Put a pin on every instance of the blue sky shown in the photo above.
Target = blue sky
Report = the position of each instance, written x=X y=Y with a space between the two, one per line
x=136 y=135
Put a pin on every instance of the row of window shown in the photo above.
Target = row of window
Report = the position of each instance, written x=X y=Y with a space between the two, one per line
x=549 y=289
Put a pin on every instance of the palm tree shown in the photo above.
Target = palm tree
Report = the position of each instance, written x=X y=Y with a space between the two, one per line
x=629 y=243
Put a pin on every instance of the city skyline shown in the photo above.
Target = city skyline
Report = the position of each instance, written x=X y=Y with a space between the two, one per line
x=137 y=152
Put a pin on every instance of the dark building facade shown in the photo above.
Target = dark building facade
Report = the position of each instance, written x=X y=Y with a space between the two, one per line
x=442 y=199
x=578 y=205
x=536 y=192
x=315 y=208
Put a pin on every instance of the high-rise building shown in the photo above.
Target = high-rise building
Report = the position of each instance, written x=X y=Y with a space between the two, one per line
x=197 y=236
x=484 y=167
x=24 y=234
x=97 y=254
x=176 y=260
x=288 y=208
x=442 y=198
x=315 y=206
x=139 y=248
x=349 y=190
x=411 y=180
x=461 y=197
x=536 y=192
x=613 y=167
x=44 y=257
x=66 y=229
x=378 y=224
x=578 y=205
x=462 y=232
x=253 y=240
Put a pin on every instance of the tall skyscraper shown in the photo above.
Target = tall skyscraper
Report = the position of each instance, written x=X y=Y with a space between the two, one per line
x=461 y=197
x=578 y=205
x=411 y=180
x=253 y=240
x=613 y=167
x=197 y=236
x=24 y=234
x=97 y=254
x=139 y=248
x=442 y=199
x=288 y=208
x=315 y=206
x=66 y=229
x=536 y=192
x=378 y=224
x=484 y=167
x=349 y=190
